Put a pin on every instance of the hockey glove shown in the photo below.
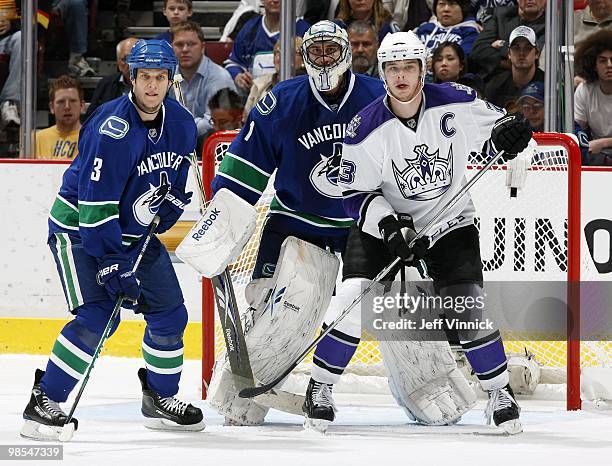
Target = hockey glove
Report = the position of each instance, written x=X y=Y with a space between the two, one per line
x=511 y=134
x=397 y=233
x=116 y=275
x=172 y=208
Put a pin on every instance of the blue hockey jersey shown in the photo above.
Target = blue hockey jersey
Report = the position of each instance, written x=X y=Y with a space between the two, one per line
x=432 y=34
x=115 y=185
x=294 y=131
x=253 y=47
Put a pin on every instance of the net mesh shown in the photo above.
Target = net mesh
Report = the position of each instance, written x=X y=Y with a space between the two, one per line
x=523 y=238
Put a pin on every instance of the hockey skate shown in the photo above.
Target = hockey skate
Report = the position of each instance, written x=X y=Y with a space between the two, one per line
x=168 y=413
x=319 y=407
x=504 y=410
x=43 y=417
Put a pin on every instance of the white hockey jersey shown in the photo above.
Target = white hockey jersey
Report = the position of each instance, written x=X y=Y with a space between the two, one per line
x=388 y=168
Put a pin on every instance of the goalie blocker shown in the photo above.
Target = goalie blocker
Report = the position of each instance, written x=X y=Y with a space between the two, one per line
x=284 y=314
x=219 y=235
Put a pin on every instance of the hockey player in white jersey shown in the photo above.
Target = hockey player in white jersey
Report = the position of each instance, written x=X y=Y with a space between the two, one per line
x=404 y=157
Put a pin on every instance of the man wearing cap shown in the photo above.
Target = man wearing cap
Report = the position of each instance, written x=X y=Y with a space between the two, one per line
x=504 y=88
x=531 y=104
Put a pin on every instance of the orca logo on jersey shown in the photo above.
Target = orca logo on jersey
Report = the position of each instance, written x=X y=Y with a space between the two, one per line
x=147 y=204
x=266 y=104
x=324 y=175
x=114 y=127
x=427 y=176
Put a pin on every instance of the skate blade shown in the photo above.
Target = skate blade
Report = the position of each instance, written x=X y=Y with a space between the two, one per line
x=36 y=431
x=316 y=425
x=155 y=423
x=511 y=427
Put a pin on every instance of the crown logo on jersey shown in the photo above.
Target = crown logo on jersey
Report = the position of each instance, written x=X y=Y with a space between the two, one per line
x=427 y=176
x=324 y=175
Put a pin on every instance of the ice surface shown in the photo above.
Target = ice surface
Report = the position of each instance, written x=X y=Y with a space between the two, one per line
x=370 y=430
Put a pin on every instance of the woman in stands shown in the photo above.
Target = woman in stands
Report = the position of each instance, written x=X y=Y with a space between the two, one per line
x=367 y=10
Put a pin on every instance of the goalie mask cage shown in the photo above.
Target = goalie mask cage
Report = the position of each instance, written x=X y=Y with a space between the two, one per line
x=533 y=237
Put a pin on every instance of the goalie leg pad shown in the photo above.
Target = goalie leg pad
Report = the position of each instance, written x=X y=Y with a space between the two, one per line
x=223 y=396
x=287 y=320
x=423 y=375
x=287 y=311
x=220 y=235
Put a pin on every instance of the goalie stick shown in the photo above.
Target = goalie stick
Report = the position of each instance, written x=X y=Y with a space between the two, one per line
x=255 y=391
x=229 y=316
x=223 y=289
x=69 y=427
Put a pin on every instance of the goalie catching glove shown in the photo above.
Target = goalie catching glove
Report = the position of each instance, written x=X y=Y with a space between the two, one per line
x=511 y=134
x=397 y=233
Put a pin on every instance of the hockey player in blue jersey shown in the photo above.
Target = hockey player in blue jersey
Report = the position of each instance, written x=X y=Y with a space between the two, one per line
x=403 y=159
x=296 y=131
x=132 y=165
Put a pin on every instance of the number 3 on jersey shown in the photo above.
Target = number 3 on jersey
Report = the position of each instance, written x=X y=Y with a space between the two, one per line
x=347 y=172
x=97 y=166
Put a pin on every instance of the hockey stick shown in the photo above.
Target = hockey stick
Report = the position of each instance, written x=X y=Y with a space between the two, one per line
x=69 y=427
x=223 y=289
x=254 y=391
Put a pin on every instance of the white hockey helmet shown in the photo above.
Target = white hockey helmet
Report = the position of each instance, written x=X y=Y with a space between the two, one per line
x=326 y=77
x=402 y=46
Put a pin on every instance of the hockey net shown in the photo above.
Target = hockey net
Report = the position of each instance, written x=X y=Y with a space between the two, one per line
x=533 y=237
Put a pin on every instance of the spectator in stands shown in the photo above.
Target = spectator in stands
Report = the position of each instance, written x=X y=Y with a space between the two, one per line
x=266 y=82
x=252 y=54
x=593 y=99
x=504 y=88
x=597 y=15
x=117 y=84
x=452 y=23
x=10 y=44
x=201 y=77
x=483 y=10
x=490 y=51
x=175 y=11
x=449 y=62
x=226 y=109
x=531 y=104
x=74 y=17
x=364 y=45
x=372 y=11
x=66 y=103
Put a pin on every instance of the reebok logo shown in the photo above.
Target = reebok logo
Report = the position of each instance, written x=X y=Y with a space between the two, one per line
x=206 y=224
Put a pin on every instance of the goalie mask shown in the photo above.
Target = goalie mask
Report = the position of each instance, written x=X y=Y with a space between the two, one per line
x=327 y=54
x=402 y=46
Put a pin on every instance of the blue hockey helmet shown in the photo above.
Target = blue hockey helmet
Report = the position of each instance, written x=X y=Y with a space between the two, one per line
x=152 y=53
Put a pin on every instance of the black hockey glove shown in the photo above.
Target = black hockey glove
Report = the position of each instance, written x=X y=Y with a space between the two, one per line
x=116 y=275
x=511 y=134
x=397 y=233
x=172 y=208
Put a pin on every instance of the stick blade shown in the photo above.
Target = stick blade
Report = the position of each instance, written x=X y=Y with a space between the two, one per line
x=251 y=392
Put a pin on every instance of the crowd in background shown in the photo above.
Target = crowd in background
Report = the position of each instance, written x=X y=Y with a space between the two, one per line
x=494 y=46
